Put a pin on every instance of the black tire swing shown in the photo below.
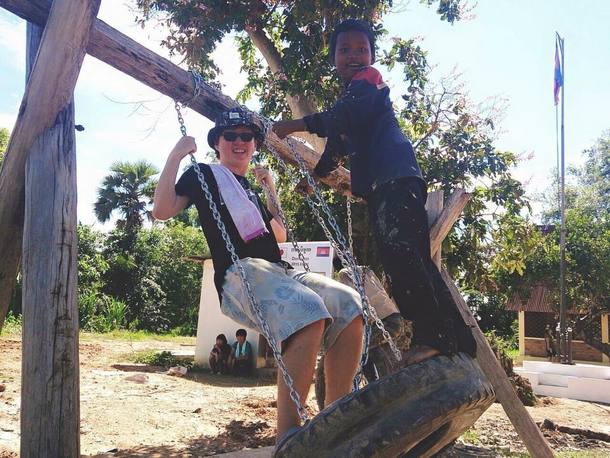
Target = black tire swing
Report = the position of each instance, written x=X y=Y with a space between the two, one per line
x=414 y=412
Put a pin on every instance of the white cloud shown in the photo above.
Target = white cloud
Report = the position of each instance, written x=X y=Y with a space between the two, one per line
x=8 y=120
x=12 y=41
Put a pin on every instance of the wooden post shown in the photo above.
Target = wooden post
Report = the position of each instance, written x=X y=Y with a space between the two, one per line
x=44 y=134
x=521 y=333
x=452 y=210
x=434 y=207
x=524 y=424
x=12 y=249
x=605 y=334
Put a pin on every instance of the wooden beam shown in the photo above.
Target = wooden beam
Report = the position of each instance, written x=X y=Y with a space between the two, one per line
x=128 y=56
x=44 y=139
x=524 y=424
x=434 y=207
x=450 y=214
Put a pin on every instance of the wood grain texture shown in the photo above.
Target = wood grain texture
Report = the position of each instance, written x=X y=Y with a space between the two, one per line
x=451 y=212
x=42 y=151
x=434 y=207
x=524 y=424
x=47 y=92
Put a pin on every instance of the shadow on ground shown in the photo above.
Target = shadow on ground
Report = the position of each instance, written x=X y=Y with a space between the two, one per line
x=201 y=376
x=237 y=435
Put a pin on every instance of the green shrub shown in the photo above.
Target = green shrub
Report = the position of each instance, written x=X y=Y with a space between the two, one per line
x=12 y=324
x=163 y=358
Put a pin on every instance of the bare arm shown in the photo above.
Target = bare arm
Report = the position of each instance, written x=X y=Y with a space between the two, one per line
x=167 y=203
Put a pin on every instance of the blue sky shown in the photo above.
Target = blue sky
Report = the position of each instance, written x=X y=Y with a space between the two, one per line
x=506 y=50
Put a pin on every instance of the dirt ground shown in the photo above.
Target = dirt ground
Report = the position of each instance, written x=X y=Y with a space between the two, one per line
x=130 y=410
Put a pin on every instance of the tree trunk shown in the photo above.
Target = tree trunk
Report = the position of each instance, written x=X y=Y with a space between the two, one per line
x=300 y=105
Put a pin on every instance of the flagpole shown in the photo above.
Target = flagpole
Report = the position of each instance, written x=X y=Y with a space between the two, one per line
x=565 y=358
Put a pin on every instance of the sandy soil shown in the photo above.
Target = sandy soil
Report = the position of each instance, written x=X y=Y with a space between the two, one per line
x=129 y=410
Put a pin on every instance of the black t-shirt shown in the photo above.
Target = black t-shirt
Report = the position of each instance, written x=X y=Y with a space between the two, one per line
x=264 y=247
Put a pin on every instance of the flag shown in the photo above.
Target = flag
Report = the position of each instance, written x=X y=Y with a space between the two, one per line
x=323 y=251
x=558 y=73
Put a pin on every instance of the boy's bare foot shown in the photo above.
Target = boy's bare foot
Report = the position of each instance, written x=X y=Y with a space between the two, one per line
x=420 y=353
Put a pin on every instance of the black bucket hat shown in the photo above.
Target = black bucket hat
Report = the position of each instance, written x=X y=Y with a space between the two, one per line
x=233 y=118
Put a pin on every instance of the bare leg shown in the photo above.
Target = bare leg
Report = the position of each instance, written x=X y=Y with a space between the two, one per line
x=341 y=361
x=299 y=354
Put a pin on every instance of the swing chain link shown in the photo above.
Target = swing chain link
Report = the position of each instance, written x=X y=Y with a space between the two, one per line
x=274 y=201
x=348 y=206
x=288 y=380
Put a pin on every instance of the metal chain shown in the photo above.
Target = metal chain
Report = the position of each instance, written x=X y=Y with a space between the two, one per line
x=289 y=231
x=346 y=256
x=244 y=281
x=344 y=253
x=348 y=207
x=337 y=240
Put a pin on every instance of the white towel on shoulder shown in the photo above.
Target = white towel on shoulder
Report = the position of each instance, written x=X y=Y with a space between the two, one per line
x=244 y=213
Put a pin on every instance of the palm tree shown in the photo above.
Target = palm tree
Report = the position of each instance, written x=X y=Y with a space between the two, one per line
x=129 y=189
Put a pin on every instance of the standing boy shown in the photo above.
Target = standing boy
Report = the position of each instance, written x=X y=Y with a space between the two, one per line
x=362 y=125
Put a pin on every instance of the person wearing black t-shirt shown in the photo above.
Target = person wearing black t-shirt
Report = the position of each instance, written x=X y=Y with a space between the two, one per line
x=305 y=312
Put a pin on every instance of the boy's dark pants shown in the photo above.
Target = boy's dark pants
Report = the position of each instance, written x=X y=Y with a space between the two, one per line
x=400 y=227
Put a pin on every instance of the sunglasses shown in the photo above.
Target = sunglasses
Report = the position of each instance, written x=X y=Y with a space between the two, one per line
x=232 y=136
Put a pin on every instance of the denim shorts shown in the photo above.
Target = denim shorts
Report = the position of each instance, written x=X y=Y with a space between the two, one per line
x=289 y=300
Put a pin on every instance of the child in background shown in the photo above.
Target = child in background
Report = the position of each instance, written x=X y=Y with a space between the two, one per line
x=219 y=356
x=241 y=354
x=384 y=172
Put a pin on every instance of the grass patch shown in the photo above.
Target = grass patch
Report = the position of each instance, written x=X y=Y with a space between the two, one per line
x=12 y=326
x=123 y=334
x=471 y=437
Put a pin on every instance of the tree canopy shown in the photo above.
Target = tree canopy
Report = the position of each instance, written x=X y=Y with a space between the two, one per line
x=294 y=75
x=587 y=235
x=128 y=189
x=4 y=136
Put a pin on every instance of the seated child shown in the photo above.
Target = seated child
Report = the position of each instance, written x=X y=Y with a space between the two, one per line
x=241 y=354
x=219 y=356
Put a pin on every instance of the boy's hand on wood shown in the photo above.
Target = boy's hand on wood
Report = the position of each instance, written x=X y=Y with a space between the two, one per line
x=282 y=128
x=285 y=128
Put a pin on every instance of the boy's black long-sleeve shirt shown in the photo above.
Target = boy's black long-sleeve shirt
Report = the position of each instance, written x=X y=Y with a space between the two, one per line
x=362 y=124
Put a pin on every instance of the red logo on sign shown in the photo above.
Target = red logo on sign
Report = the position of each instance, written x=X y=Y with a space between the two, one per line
x=323 y=251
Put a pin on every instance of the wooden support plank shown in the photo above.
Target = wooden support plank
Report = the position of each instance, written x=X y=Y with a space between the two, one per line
x=434 y=207
x=44 y=139
x=12 y=250
x=450 y=214
x=517 y=413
